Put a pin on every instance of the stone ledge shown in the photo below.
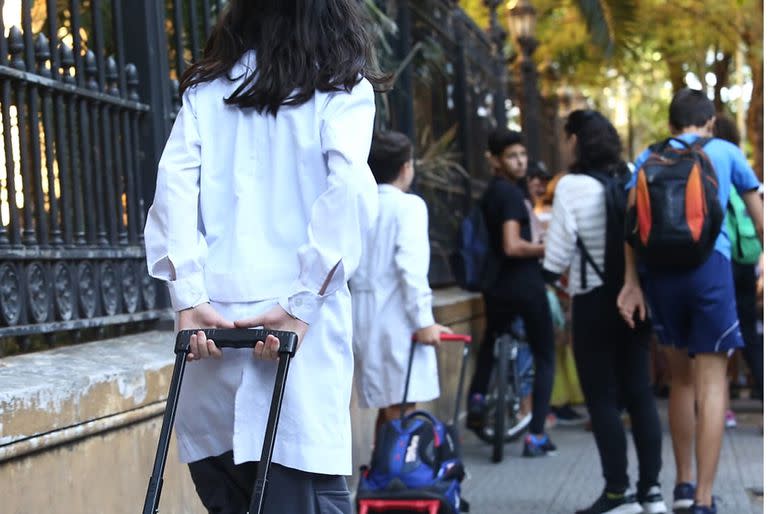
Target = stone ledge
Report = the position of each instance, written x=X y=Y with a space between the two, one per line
x=52 y=390
x=45 y=397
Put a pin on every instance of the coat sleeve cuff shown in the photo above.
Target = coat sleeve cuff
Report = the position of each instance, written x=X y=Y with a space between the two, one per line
x=425 y=317
x=303 y=305
x=188 y=292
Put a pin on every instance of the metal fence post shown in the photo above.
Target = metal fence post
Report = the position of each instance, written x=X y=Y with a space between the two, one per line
x=150 y=54
x=404 y=90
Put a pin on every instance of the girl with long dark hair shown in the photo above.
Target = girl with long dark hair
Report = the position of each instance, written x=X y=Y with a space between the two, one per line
x=263 y=199
x=612 y=360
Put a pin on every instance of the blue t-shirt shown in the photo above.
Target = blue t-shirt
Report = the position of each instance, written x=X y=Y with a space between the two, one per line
x=732 y=169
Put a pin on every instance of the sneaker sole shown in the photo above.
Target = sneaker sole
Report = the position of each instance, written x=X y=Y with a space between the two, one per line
x=682 y=506
x=654 y=508
x=628 y=508
x=542 y=455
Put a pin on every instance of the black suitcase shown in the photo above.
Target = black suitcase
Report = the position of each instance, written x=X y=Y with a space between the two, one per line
x=224 y=338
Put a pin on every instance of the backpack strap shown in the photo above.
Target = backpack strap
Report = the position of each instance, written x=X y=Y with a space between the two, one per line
x=701 y=142
x=586 y=258
x=698 y=143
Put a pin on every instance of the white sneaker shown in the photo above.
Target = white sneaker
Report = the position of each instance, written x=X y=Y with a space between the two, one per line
x=652 y=501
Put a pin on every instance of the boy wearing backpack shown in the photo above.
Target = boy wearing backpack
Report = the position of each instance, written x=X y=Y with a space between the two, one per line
x=391 y=297
x=517 y=289
x=689 y=286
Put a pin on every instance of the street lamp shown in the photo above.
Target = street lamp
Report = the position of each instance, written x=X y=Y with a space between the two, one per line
x=498 y=36
x=522 y=26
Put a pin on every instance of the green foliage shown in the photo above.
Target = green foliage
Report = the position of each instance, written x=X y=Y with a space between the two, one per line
x=609 y=22
x=640 y=51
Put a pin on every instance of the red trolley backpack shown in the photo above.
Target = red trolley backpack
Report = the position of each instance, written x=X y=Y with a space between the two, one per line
x=675 y=214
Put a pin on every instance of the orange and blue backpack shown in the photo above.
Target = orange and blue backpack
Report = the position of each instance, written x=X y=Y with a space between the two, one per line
x=675 y=215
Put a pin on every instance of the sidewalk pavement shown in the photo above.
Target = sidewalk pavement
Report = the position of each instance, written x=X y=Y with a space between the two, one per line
x=572 y=479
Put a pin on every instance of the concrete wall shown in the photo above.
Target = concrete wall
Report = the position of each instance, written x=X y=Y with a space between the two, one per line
x=79 y=425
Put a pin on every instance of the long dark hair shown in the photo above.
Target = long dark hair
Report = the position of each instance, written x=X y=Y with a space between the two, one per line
x=598 y=145
x=302 y=46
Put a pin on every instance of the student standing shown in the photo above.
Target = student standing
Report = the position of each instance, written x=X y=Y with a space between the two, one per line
x=391 y=297
x=518 y=289
x=263 y=200
x=746 y=253
x=694 y=313
x=611 y=358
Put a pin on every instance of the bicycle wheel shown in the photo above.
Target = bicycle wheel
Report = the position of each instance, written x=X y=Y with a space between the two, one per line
x=502 y=383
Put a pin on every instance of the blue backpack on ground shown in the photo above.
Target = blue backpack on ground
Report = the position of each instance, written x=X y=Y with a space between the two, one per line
x=473 y=263
x=417 y=456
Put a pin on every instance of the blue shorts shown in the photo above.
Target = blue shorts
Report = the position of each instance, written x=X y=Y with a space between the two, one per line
x=695 y=309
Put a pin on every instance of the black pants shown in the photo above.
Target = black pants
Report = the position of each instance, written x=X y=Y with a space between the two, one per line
x=745 y=283
x=225 y=488
x=534 y=310
x=613 y=365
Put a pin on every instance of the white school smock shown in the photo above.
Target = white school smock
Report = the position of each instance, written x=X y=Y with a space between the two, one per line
x=250 y=210
x=391 y=299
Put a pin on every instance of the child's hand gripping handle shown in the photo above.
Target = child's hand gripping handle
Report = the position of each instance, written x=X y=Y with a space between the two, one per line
x=466 y=340
x=240 y=338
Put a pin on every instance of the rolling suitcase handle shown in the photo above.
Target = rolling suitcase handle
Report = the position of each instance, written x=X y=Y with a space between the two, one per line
x=459 y=338
x=225 y=338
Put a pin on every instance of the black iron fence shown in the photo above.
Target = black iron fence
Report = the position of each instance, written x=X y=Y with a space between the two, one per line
x=70 y=210
x=88 y=93
x=452 y=102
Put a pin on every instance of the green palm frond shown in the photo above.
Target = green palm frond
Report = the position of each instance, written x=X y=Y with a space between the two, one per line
x=610 y=22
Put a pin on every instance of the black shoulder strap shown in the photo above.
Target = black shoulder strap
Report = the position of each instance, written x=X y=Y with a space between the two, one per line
x=586 y=258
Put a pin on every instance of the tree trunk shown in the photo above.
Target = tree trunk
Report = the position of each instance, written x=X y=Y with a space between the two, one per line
x=721 y=68
x=676 y=75
x=754 y=43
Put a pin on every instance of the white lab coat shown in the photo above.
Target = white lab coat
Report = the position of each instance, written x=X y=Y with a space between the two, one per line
x=391 y=299
x=252 y=210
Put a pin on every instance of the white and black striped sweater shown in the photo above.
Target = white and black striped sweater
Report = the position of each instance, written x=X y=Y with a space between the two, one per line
x=578 y=210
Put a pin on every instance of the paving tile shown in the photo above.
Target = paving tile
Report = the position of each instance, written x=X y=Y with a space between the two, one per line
x=572 y=479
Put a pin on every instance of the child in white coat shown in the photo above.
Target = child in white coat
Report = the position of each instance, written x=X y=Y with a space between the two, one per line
x=262 y=204
x=391 y=297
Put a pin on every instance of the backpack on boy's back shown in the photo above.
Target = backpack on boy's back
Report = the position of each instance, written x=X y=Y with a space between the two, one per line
x=746 y=246
x=473 y=264
x=675 y=214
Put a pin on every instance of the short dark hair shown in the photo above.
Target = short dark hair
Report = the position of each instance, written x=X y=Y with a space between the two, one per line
x=725 y=128
x=389 y=151
x=538 y=170
x=690 y=107
x=502 y=138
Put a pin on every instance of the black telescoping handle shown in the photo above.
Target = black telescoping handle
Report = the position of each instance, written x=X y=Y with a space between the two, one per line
x=268 y=447
x=155 y=487
x=224 y=338
x=240 y=338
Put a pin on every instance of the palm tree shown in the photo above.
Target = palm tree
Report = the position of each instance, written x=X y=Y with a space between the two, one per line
x=609 y=22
